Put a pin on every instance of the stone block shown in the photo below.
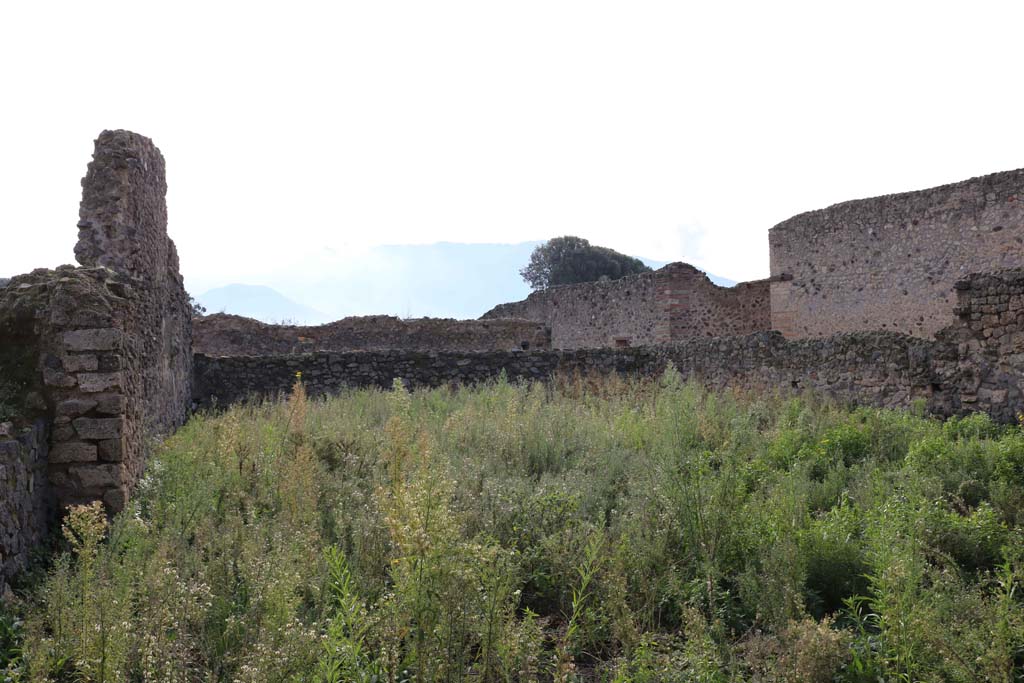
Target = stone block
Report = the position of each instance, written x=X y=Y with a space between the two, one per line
x=56 y=378
x=86 y=362
x=60 y=479
x=73 y=452
x=116 y=499
x=95 y=477
x=75 y=407
x=112 y=450
x=100 y=381
x=110 y=404
x=63 y=433
x=103 y=339
x=110 y=362
x=98 y=427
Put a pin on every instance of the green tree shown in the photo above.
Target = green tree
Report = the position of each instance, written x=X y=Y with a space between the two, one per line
x=568 y=260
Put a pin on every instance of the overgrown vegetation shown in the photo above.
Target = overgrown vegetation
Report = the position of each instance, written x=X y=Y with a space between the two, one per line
x=616 y=531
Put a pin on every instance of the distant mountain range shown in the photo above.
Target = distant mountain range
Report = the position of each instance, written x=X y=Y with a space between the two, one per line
x=441 y=280
x=262 y=303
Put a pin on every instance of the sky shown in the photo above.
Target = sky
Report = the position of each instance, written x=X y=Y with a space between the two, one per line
x=668 y=130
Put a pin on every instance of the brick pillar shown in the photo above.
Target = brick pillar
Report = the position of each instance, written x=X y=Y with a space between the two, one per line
x=675 y=287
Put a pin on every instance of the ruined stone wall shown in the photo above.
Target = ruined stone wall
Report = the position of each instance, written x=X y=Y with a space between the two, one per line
x=100 y=355
x=593 y=314
x=127 y=366
x=880 y=369
x=230 y=335
x=27 y=506
x=71 y=327
x=984 y=349
x=890 y=263
x=123 y=226
x=696 y=307
x=674 y=303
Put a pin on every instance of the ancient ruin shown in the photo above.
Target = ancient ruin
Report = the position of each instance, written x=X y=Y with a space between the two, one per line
x=100 y=356
x=232 y=335
x=671 y=304
x=917 y=297
x=891 y=263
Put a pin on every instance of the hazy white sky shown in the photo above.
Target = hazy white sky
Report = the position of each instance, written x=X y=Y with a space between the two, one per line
x=669 y=130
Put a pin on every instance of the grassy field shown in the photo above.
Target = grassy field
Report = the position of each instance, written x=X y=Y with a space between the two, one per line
x=615 y=531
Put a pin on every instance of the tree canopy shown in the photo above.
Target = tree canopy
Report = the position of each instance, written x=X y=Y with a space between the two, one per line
x=568 y=260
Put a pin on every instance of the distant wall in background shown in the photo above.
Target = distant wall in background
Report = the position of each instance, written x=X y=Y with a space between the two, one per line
x=670 y=304
x=228 y=335
x=975 y=364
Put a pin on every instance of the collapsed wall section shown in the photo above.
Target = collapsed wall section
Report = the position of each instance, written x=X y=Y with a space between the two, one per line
x=230 y=335
x=673 y=303
x=890 y=263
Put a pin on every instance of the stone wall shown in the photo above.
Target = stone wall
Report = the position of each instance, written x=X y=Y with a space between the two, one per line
x=123 y=226
x=975 y=364
x=100 y=355
x=230 y=335
x=984 y=349
x=673 y=303
x=881 y=369
x=696 y=307
x=27 y=506
x=71 y=327
x=890 y=263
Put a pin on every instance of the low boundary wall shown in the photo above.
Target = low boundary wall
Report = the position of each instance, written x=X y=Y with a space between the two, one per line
x=881 y=369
